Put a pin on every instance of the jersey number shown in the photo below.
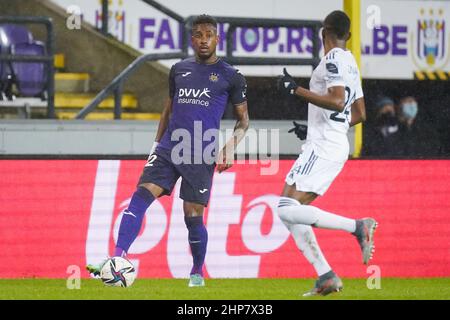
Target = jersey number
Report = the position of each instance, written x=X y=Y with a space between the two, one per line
x=150 y=160
x=335 y=115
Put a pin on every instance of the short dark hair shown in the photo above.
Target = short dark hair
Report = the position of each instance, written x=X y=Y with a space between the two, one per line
x=204 y=19
x=338 y=23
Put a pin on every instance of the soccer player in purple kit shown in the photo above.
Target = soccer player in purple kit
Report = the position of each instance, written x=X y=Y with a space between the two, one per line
x=199 y=91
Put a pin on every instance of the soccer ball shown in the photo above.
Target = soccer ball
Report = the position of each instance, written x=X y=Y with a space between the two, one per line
x=118 y=272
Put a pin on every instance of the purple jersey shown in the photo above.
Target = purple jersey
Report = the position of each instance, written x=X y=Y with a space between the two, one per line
x=200 y=94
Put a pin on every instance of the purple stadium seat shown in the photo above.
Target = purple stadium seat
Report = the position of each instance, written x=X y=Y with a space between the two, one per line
x=13 y=34
x=30 y=76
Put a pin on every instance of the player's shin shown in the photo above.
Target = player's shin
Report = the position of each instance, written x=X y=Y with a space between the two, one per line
x=132 y=220
x=305 y=240
x=198 y=240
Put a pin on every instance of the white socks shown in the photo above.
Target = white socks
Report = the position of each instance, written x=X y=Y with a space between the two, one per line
x=306 y=241
x=298 y=219
x=293 y=212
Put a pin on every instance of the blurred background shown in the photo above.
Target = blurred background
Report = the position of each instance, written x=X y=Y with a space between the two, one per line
x=81 y=46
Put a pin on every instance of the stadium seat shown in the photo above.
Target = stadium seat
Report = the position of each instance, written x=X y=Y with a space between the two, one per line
x=13 y=34
x=30 y=77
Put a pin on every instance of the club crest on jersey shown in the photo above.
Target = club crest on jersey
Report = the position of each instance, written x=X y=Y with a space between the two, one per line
x=213 y=77
x=331 y=67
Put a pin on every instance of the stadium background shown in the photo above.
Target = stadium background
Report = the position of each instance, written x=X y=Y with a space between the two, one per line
x=63 y=206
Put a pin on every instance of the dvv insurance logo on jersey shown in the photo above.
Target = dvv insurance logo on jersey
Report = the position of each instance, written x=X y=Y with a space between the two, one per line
x=194 y=96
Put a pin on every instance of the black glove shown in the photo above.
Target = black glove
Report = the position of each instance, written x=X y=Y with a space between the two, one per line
x=300 y=130
x=286 y=83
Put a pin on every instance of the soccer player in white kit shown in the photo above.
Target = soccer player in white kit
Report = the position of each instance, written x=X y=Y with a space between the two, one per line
x=336 y=103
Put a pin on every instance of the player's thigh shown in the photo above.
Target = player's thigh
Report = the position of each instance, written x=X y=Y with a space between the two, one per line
x=310 y=176
x=291 y=187
x=303 y=165
x=196 y=183
x=154 y=189
x=192 y=209
x=301 y=196
x=159 y=175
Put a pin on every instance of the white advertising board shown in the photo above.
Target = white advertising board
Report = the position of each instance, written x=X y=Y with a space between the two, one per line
x=398 y=37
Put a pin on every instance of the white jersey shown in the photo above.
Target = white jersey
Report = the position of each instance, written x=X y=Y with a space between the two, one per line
x=327 y=130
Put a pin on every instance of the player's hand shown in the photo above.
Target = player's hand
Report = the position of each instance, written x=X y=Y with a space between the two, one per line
x=224 y=161
x=286 y=83
x=300 y=130
x=152 y=150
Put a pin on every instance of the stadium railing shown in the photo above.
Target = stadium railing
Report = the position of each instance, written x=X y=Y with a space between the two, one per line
x=47 y=58
x=116 y=86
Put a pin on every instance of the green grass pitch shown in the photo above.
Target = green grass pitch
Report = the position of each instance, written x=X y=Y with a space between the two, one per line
x=222 y=289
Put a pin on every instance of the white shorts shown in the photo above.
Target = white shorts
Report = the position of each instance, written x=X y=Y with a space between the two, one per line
x=313 y=174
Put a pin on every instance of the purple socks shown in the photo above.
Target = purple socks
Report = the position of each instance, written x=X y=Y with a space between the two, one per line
x=132 y=220
x=198 y=239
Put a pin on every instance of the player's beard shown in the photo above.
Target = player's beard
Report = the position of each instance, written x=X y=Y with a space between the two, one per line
x=205 y=57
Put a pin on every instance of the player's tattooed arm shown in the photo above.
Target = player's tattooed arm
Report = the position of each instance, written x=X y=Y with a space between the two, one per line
x=164 y=120
x=242 y=123
x=226 y=155
x=358 y=112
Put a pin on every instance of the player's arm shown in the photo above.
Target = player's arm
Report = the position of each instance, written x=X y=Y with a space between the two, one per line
x=164 y=120
x=167 y=111
x=333 y=100
x=241 y=126
x=238 y=97
x=358 y=112
x=242 y=123
x=226 y=155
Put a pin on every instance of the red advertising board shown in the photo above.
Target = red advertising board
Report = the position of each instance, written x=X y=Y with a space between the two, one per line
x=58 y=213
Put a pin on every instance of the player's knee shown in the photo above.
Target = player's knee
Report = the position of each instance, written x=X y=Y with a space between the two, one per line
x=192 y=209
x=142 y=198
x=284 y=208
x=193 y=221
x=154 y=189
